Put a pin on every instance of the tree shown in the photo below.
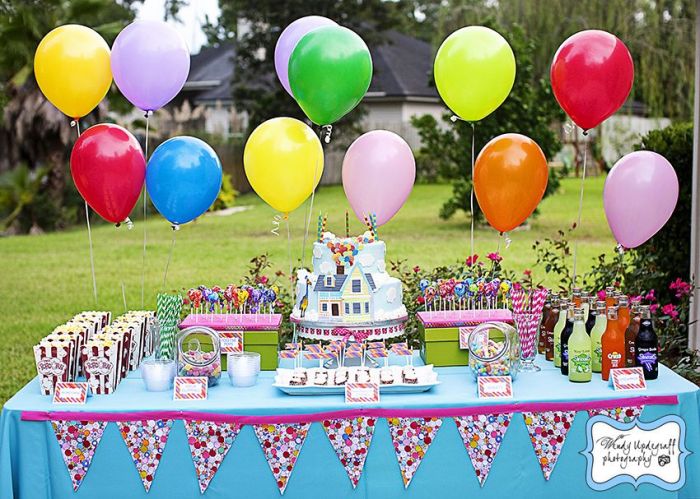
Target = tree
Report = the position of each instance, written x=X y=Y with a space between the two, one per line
x=255 y=25
x=32 y=131
x=530 y=109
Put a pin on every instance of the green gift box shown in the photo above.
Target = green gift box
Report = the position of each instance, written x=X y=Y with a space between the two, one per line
x=260 y=333
x=439 y=333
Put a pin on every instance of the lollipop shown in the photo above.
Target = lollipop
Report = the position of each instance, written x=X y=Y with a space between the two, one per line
x=460 y=290
x=256 y=297
x=213 y=299
x=424 y=283
x=429 y=294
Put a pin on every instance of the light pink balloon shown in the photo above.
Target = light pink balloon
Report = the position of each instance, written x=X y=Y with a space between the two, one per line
x=378 y=174
x=640 y=195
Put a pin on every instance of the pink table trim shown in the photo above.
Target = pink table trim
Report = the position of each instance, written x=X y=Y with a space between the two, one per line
x=234 y=322
x=457 y=318
x=442 y=412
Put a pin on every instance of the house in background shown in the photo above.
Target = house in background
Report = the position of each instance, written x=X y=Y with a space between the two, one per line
x=400 y=88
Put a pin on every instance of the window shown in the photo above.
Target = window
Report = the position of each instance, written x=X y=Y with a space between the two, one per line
x=347 y=308
x=366 y=307
x=329 y=281
x=356 y=309
x=356 y=286
x=324 y=307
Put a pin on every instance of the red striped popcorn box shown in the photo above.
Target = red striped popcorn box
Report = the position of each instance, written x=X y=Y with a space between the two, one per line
x=123 y=340
x=92 y=325
x=101 y=363
x=76 y=339
x=135 y=328
x=53 y=360
x=104 y=317
x=144 y=318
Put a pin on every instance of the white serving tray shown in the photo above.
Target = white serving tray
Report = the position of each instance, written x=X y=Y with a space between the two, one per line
x=427 y=378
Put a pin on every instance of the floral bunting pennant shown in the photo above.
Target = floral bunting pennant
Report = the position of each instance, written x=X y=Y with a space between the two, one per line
x=621 y=414
x=209 y=443
x=78 y=441
x=547 y=432
x=351 y=439
x=482 y=436
x=281 y=444
x=146 y=441
x=411 y=438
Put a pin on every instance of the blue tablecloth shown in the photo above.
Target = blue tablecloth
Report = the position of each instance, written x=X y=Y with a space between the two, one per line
x=31 y=465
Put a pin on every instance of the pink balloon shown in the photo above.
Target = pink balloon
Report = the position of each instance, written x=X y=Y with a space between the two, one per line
x=640 y=195
x=378 y=174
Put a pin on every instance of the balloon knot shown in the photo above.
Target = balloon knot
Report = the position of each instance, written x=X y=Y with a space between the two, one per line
x=326 y=132
x=175 y=227
x=507 y=239
x=73 y=123
x=585 y=133
x=129 y=223
x=148 y=114
x=620 y=249
x=454 y=118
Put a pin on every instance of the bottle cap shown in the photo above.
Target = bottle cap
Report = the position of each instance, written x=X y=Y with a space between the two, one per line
x=578 y=314
x=623 y=301
x=612 y=313
x=645 y=311
x=600 y=306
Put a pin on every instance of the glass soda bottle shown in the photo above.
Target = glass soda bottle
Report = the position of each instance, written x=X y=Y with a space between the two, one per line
x=601 y=322
x=565 y=335
x=631 y=336
x=646 y=346
x=558 y=328
x=590 y=320
x=613 y=343
x=623 y=312
x=541 y=337
x=579 y=350
x=584 y=304
x=576 y=297
x=548 y=329
x=609 y=296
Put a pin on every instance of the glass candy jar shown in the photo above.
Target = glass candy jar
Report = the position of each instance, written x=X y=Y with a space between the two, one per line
x=494 y=350
x=199 y=353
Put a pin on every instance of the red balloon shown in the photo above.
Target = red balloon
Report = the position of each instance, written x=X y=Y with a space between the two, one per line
x=108 y=168
x=592 y=75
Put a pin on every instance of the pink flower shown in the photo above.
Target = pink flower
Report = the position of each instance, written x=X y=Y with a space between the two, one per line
x=517 y=286
x=670 y=310
x=653 y=308
x=262 y=279
x=416 y=269
x=494 y=257
x=527 y=273
x=636 y=299
x=471 y=260
x=601 y=294
x=681 y=287
x=651 y=296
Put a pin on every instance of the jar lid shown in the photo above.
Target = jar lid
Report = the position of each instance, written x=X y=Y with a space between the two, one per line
x=190 y=348
x=483 y=348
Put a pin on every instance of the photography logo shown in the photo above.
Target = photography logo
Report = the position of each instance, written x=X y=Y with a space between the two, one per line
x=635 y=453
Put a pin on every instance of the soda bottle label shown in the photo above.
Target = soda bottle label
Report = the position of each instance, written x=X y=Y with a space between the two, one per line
x=598 y=352
x=615 y=359
x=648 y=360
x=581 y=363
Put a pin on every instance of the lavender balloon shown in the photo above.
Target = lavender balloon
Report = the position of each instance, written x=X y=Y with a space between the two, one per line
x=150 y=63
x=375 y=161
x=288 y=40
x=640 y=195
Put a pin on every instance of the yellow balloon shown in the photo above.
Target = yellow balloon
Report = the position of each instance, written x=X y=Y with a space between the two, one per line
x=283 y=161
x=72 y=68
x=474 y=71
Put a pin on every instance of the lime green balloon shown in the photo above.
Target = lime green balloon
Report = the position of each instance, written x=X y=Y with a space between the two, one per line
x=474 y=71
x=329 y=72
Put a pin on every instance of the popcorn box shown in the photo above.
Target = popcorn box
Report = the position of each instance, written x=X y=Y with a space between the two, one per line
x=122 y=340
x=79 y=333
x=101 y=364
x=134 y=330
x=53 y=363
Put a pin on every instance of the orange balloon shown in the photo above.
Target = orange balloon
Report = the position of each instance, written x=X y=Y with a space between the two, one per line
x=510 y=177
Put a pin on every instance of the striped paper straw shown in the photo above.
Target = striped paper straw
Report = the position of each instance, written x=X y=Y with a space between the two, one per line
x=168 y=308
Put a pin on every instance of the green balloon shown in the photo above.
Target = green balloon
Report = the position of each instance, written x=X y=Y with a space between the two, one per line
x=329 y=72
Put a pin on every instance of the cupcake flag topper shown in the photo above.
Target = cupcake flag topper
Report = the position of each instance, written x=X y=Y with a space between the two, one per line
x=402 y=350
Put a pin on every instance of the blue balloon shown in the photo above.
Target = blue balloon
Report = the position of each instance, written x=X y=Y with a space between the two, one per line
x=183 y=178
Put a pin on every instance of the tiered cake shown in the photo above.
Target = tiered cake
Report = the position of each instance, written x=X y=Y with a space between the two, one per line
x=348 y=290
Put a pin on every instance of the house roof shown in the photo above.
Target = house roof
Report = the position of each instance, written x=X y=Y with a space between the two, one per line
x=337 y=283
x=402 y=69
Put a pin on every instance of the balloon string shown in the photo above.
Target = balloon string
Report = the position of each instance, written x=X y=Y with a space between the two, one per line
x=170 y=257
x=145 y=203
x=580 y=205
x=308 y=217
x=76 y=124
x=289 y=253
x=471 y=198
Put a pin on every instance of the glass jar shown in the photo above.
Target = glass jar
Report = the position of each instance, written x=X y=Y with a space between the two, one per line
x=494 y=350
x=199 y=353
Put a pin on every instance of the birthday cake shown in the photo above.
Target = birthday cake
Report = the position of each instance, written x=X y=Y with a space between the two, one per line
x=348 y=287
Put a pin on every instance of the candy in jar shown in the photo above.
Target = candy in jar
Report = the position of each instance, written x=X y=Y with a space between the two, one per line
x=199 y=354
x=493 y=350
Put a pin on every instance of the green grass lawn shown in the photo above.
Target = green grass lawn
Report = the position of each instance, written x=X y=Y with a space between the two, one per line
x=46 y=279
